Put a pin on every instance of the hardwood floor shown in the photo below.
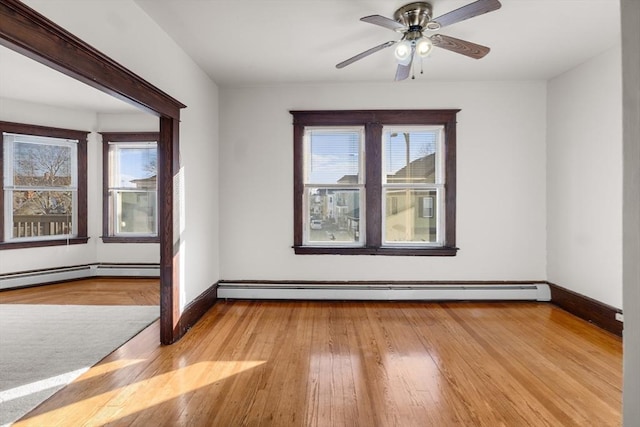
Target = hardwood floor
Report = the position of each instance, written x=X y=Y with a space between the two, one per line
x=355 y=364
x=94 y=291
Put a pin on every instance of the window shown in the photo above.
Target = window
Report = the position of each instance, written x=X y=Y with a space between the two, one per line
x=375 y=182
x=334 y=186
x=130 y=197
x=412 y=179
x=44 y=195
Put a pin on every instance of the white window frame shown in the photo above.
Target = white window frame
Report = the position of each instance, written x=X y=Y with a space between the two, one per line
x=360 y=186
x=115 y=191
x=9 y=187
x=438 y=186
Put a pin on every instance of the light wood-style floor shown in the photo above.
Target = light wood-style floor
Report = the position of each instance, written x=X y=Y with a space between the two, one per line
x=94 y=291
x=355 y=364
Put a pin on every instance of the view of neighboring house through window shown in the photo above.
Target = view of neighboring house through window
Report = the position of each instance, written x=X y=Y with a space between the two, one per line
x=413 y=181
x=44 y=195
x=374 y=182
x=130 y=205
x=333 y=185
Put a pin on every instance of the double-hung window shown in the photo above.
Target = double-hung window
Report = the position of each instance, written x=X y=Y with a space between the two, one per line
x=130 y=201
x=375 y=182
x=44 y=186
x=333 y=186
x=413 y=186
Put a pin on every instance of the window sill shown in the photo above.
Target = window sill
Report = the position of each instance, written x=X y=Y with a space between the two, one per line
x=43 y=243
x=315 y=250
x=139 y=239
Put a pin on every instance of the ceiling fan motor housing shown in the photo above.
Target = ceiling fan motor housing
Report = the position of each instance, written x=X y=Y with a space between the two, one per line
x=416 y=15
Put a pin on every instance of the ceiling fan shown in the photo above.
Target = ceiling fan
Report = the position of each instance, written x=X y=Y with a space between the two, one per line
x=412 y=20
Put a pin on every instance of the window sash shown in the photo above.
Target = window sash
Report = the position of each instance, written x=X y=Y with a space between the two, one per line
x=438 y=211
x=115 y=166
x=340 y=222
x=11 y=140
x=42 y=224
x=439 y=176
x=116 y=212
x=328 y=130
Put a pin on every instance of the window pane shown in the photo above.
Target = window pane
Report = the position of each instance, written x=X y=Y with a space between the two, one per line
x=42 y=165
x=333 y=156
x=334 y=215
x=410 y=157
x=135 y=167
x=136 y=212
x=42 y=213
x=411 y=216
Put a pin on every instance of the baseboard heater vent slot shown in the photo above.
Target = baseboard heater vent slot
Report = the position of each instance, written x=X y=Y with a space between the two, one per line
x=390 y=292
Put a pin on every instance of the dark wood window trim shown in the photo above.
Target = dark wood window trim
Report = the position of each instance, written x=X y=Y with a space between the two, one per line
x=81 y=136
x=108 y=137
x=373 y=121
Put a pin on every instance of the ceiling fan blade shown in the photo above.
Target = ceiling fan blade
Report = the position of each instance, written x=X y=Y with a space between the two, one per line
x=384 y=22
x=469 y=11
x=463 y=47
x=403 y=71
x=365 y=54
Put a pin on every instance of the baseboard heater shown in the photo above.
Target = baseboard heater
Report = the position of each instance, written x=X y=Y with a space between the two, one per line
x=61 y=274
x=385 y=292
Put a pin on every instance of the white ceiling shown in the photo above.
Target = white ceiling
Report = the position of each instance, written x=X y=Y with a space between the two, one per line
x=244 y=42
x=274 y=41
x=24 y=79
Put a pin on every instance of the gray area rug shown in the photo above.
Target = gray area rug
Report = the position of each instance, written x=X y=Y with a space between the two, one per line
x=45 y=347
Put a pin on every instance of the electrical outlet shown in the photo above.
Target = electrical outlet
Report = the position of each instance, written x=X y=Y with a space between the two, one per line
x=619 y=317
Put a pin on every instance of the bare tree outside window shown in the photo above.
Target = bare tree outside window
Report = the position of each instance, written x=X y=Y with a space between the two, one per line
x=40 y=186
x=40 y=167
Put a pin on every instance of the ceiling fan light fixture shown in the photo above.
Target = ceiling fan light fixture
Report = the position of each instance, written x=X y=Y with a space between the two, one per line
x=423 y=47
x=403 y=52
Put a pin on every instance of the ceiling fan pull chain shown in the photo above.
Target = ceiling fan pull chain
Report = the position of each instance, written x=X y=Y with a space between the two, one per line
x=413 y=70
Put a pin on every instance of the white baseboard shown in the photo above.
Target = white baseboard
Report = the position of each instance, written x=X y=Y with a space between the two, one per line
x=38 y=277
x=383 y=292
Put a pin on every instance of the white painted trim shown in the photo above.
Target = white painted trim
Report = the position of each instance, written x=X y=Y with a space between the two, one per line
x=128 y=270
x=390 y=292
x=17 y=280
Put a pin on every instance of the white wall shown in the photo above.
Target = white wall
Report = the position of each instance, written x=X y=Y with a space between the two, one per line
x=584 y=179
x=501 y=190
x=121 y=30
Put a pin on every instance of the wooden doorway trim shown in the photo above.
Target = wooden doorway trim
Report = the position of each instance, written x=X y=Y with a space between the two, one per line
x=26 y=31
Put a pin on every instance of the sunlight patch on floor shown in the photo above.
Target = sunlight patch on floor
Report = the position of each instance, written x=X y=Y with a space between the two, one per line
x=144 y=394
x=40 y=385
